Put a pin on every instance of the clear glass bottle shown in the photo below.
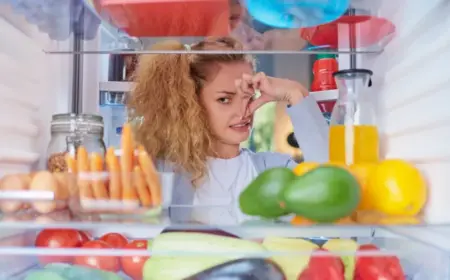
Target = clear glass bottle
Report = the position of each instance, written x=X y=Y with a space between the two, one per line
x=353 y=129
x=68 y=132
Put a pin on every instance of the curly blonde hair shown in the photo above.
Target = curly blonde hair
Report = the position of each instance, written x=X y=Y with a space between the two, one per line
x=174 y=124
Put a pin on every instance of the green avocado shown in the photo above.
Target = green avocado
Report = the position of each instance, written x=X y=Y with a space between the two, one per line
x=324 y=194
x=263 y=195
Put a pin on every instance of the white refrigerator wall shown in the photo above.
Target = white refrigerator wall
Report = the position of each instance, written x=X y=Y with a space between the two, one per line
x=412 y=86
x=33 y=86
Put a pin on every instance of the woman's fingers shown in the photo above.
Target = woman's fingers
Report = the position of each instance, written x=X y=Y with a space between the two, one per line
x=247 y=86
x=257 y=103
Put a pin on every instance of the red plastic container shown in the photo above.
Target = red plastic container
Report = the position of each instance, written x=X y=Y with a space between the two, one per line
x=163 y=18
x=372 y=29
x=323 y=69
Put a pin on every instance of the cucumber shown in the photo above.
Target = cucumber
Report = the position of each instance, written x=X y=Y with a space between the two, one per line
x=74 y=272
x=44 y=275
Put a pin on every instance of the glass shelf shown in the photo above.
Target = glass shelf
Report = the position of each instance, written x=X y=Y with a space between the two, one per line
x=20 y=256
x=18 y=234
x=134 y=26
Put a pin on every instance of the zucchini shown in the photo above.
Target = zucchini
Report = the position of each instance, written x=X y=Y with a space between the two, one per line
x=177 y=255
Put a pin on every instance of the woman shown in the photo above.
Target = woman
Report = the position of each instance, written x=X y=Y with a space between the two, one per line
x=198 y=108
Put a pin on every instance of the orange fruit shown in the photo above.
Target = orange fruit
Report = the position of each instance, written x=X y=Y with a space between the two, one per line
x=304 y=167
x=297 y=220
x=362 y=173
x=397 y=188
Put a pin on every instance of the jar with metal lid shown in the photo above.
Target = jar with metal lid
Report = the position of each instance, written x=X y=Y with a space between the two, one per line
x=68 y=132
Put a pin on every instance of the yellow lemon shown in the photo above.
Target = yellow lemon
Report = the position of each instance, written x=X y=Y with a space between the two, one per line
x=397 y=188
x=304 y=167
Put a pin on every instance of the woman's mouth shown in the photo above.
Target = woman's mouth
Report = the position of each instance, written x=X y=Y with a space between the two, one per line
x=242 y=126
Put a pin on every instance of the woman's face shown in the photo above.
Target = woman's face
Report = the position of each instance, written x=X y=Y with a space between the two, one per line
x=225 y=107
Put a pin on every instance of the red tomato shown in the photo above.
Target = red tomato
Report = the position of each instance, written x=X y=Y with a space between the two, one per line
x=109 y=263
x=85 y=236
x=57 y=238
x=323 y=267
x=377 y=267
x=115 y=240
x=133 y=266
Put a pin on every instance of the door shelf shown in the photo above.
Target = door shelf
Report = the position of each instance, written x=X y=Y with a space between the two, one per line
x=326 y=95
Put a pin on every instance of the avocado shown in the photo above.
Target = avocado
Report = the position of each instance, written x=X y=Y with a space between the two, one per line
x=344 y=245
x=324 y=194
x=263 y=195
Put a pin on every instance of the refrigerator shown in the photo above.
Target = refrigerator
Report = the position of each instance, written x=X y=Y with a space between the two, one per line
x=54 y=58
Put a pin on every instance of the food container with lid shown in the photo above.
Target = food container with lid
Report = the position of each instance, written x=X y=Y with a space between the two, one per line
x=68 y=131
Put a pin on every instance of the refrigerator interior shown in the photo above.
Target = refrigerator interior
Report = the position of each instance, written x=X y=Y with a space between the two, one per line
x=40 y=77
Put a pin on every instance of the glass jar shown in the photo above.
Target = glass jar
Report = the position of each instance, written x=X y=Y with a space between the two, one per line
x=353 y=129
x=68 y=132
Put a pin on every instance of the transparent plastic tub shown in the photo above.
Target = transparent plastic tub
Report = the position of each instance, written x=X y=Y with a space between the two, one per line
x=44 y=193
x=21 y=258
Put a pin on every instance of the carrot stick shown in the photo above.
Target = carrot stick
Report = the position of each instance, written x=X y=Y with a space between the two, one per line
x=98 y=185
x=112 y=163
x=83 y=167
x=141 y=187
x=71 y=163
x=151 y=175
x=126 y=164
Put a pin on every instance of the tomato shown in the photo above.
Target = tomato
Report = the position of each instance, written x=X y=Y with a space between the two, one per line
x=323 y=267
x=133 y=266
x=109 y=263
x=377 y=267
x=57 y=238
x=85 y=236
x=115 y=240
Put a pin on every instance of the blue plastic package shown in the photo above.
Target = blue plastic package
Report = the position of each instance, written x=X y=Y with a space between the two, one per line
x=296 y=13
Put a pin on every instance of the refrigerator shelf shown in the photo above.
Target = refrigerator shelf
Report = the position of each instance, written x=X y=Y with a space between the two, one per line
x=134 y=26
x=21 y=257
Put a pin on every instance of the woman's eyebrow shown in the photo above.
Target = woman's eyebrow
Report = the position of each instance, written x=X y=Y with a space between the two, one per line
x=227 y=92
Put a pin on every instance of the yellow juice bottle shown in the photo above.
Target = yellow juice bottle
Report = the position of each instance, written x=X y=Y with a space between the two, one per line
x=354 y=143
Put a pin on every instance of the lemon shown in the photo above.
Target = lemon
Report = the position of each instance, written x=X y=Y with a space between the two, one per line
x=397 y=188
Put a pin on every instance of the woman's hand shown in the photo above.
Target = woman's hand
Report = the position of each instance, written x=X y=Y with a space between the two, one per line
x=271 y=89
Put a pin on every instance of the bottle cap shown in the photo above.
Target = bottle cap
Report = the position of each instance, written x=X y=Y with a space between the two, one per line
x=325 y=55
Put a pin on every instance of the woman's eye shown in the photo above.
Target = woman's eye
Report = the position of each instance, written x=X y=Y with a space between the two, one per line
x=224 y=100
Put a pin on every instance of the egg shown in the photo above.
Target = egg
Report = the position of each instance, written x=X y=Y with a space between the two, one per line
x=47 y=184
x=13 y=183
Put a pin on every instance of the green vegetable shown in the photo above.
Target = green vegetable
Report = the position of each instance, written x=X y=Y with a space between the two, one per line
x=324 y=194
x=349 y=261
x=177 y=255
x=262 y=197
x=44 y=275
x=75 y=272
